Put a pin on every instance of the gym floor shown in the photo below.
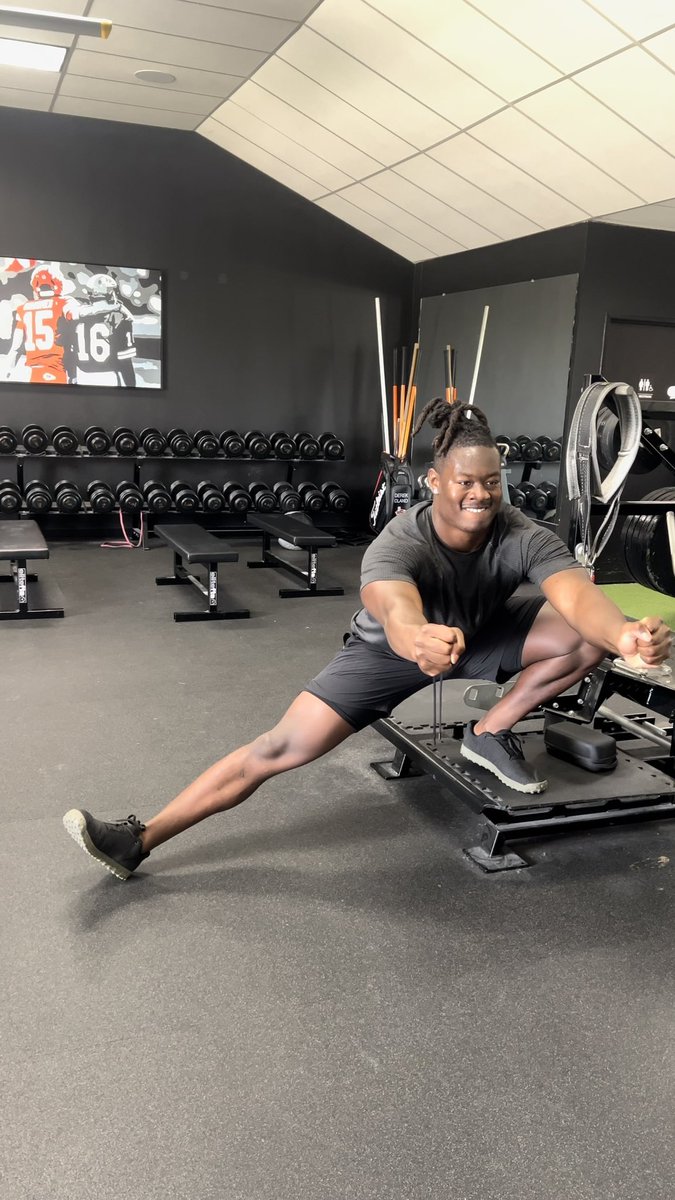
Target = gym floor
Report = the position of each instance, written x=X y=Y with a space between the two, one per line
x=315 y=995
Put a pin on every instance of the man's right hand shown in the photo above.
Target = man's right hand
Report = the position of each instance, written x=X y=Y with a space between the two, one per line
x=437 y=648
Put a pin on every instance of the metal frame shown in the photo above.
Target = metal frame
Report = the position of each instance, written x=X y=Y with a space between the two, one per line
x=310 y=575
x=419 y=751
x=210 y=591
x=21 y=577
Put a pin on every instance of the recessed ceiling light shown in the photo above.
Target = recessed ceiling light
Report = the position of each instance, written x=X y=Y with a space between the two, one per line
x=34 y=55
x=155 y=76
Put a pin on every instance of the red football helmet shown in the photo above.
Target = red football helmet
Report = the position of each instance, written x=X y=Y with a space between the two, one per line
x=45 y=284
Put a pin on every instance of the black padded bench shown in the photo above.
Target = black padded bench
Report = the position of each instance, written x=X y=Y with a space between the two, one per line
x=305 y=536
x=196 y=546
x=19 y=542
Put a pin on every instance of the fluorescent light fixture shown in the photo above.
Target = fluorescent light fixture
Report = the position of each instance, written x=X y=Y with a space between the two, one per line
x=32 y=18
x=33 y=55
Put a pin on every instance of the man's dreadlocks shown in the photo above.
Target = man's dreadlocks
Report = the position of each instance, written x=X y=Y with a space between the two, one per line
x=459 y=425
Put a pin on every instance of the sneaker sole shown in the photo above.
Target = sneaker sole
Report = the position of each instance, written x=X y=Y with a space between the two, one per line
x=529 y=788
x=75 y=824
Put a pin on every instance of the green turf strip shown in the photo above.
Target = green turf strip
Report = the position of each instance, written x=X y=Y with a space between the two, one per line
x=637 y=601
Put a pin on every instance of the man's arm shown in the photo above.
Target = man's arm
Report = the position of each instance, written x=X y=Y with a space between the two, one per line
x=398 y=607
x=588 y=610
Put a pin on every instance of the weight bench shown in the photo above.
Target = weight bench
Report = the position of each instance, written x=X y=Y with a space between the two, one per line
x=193 y=545
x=305 y=536
x=20 y=541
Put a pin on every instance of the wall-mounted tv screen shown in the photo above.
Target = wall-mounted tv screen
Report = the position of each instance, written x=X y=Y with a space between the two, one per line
x=80 y=323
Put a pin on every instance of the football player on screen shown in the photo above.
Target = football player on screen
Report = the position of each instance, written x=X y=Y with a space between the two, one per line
x=39 y=325
x=101 y=346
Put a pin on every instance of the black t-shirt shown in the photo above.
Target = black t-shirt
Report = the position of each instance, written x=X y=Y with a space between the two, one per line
x=459 y=589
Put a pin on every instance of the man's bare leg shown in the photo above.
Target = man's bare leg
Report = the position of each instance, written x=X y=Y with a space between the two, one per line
x=555 y=657
x=307 y=730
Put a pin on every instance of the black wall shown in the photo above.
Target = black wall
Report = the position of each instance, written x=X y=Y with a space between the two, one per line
x=269 y=316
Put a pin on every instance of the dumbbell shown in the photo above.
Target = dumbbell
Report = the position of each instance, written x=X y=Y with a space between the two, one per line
x=96 y=440
x=288 y=497
x=206 y=443
x=37 y=496
x=184 y=496
x=509 y=449
x=124 y=441
x=232 y=444
x=237 y=498
x=34 y=439
x=543 y=497
x=312 y=499
x=8 y=440
x=157 y=496
x=282 y=445
x=331 y=446
x=530 y=449
x=212 y=499
x=68 y=496
x=180 y=443
x=257 y=444
x=65 y=440
x=152 y=441
x=100 y=496
x=516 y=496
x=306 y=445
x=551 y=447
x=335 y=496
x=129 y=496
x=10 y=496
x=262 y=499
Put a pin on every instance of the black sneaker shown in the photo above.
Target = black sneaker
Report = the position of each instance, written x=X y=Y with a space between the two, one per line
x=115 y=844
x=502 y=753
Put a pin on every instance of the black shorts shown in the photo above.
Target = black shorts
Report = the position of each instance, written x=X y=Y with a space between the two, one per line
x=364 y=683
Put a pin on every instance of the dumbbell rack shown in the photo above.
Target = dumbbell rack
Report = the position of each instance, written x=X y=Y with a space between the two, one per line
x=222 y=522
x=526 y=476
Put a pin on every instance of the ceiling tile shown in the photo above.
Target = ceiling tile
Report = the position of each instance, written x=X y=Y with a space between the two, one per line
x=663 y=46
x=176 y=51
x=541 y=155
x=108 y=66
x=227 y=139
x=640 y=89
x=652 y=216
x=489 y=171
x=432 y=211
x=330 y=111
x=356 y=217
x=137 y=94
x=200 y=21
x=296 y=125
x=291 y=10
x=569 y=35
x=128 y=113
x=638 y=19
x=17 y=79
x=594 y=130
x=71 y=8
x=426 y=75
x=445 y=188
x=385 y=208
x=364 y=89
x=295 y=153
x=472 y=42
x=20 y=98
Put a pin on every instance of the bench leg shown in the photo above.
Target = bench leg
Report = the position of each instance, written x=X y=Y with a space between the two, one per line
x=210 y=591
x=310 y=575
x=23 y=612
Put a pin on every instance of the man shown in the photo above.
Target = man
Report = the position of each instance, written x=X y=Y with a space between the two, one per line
x=39 y=328
x=102 y=348
x=438 y=590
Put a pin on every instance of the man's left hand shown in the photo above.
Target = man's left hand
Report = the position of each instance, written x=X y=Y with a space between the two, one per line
x=646 y=642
